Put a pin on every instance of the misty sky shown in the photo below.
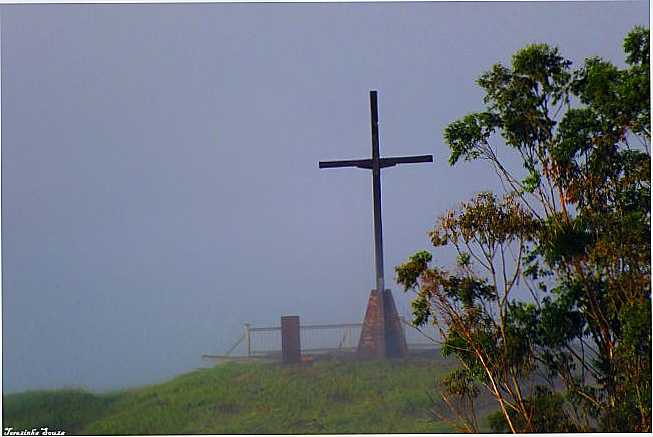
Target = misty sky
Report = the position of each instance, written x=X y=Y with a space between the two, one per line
x=159 y=165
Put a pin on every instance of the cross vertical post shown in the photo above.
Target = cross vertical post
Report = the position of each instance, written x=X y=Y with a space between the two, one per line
x=382 y=334
x=376 y=193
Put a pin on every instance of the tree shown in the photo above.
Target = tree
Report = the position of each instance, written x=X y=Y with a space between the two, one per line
x=549 y=306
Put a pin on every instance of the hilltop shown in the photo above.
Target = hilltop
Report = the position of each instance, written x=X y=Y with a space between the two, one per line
x=331 y=396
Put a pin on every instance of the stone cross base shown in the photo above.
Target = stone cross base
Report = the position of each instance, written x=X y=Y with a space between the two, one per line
x=382 y=335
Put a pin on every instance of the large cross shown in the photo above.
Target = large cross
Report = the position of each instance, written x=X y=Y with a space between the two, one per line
x=376 y=164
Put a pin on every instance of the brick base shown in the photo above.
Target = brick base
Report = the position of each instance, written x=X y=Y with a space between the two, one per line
x=382 y=335
x=395 y=339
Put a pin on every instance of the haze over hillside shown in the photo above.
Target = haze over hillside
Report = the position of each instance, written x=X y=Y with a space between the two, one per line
x=159 y=165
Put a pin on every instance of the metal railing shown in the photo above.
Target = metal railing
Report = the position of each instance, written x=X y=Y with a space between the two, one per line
x=328 y=338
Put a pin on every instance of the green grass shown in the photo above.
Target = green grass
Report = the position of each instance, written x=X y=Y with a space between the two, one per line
x=249 y=398
x=56 y=409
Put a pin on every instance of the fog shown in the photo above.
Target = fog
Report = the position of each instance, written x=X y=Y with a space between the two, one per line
x=160 y=181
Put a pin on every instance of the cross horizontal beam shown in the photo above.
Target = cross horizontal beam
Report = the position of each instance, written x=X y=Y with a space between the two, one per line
x=383 y=162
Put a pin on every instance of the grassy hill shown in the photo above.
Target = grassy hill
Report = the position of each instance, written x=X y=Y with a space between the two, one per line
x=331 y=396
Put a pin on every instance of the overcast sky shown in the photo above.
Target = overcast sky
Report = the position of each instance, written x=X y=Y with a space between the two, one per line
x=159 y=165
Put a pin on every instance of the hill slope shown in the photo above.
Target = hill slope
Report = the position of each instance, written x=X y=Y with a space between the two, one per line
x=252 y=398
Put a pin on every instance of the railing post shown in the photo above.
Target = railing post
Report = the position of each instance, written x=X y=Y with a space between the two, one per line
x=291 y=349
x=248 y=339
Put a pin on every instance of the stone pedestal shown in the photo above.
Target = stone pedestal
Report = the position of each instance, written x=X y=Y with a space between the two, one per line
x=382 y=335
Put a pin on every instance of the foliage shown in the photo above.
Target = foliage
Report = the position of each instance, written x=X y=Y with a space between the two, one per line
x=553 y=276
x=550 y=415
